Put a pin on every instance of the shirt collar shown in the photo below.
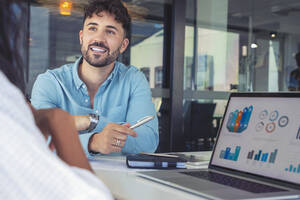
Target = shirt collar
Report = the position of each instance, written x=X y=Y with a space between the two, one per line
x=114 y=72
x=78 y=82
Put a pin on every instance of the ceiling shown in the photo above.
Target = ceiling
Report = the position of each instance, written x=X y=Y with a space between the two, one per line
x=267 y=15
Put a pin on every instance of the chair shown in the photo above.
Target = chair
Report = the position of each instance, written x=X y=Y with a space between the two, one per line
x=198 y=125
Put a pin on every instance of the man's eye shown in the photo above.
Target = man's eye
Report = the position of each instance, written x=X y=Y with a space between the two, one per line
x=110 y=32
x=92 y=29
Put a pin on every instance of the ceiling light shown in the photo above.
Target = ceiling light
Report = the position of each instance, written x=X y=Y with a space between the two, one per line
x=254 y=46
x=273 y=35
x=65 y=7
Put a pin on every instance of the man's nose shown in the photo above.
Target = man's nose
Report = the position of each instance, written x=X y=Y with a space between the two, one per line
x=101 y=36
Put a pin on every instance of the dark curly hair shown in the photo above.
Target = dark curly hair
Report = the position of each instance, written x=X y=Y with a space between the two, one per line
x=114 y=7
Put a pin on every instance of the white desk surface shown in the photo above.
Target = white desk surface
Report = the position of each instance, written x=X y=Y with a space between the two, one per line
x=124 y=183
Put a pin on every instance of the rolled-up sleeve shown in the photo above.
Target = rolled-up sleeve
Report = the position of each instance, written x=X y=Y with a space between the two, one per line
x=44 y=92
x=141 y=105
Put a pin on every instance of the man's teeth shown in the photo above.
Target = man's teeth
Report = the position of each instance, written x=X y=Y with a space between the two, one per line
x=98 y=50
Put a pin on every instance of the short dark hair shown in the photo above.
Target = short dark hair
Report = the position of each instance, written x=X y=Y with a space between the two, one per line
x=114 y=7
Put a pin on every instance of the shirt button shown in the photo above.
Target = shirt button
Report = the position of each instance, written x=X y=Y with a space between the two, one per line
x=83 y=86
x=86 y=100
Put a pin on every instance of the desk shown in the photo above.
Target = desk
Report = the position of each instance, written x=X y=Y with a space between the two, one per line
x=124 y=183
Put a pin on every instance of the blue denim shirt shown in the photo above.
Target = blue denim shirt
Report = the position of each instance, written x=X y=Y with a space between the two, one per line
x=125 y=96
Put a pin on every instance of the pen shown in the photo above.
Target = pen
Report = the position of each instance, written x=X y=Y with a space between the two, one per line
x=142 y=121
x=160 y=155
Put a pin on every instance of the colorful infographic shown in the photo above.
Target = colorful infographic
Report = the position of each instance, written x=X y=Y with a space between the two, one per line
x=238 y=120
x=227 y=155
x=268 y=122
x=293 y=169
x=263 y=157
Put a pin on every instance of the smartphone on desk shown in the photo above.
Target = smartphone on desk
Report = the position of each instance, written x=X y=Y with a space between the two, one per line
x=142 y=121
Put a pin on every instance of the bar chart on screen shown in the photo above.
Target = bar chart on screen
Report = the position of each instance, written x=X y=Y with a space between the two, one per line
x=227 y=155
x=260 y=156
x=293 y=169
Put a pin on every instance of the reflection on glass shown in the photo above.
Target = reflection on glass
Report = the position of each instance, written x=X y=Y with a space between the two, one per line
x=148 y=52
x=158 y=77
x=273 y=66
x=241 y=45
x=157 y=103
x=217 y=62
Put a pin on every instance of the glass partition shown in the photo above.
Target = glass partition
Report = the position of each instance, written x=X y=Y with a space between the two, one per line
x=239 y=46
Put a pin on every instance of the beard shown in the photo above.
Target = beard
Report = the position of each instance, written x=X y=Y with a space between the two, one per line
x=99 y=60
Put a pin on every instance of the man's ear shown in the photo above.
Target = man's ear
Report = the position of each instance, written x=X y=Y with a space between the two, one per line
x=124 y=45
x=80 y=37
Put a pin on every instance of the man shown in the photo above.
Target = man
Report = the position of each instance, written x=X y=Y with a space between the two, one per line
x=104 y=95
x=28 y=169
x=294 y=82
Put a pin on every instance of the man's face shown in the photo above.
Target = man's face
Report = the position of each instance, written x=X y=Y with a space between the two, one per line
x=102 y=39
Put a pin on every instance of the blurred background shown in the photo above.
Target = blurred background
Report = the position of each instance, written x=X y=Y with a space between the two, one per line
x=192 y=52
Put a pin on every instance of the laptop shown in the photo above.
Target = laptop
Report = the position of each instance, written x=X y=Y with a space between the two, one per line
x=256 y=155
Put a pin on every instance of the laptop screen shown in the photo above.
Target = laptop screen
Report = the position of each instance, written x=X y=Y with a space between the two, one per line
x=261 y=135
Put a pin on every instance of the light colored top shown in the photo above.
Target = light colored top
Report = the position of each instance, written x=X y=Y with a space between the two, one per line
x=28 y=169
x=125 y=96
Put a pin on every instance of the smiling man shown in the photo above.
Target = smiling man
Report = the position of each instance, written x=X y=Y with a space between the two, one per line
x=103 y=95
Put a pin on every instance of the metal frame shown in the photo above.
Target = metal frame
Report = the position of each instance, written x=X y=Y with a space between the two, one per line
x=176 y=75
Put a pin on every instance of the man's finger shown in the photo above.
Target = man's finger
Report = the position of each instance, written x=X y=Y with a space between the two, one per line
x=118 y=143
x=116 y=149
x=126 y=124
x=119 y=136
x=124 y=130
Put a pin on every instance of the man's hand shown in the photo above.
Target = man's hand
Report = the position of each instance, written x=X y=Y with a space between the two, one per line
x=111 y=139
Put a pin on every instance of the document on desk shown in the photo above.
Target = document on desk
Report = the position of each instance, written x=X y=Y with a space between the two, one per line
x=112 y=163
x=194 y=161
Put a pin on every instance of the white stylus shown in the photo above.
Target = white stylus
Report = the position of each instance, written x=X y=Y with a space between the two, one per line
x=142 y=121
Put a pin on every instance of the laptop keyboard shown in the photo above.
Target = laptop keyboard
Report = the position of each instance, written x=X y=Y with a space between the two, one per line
x=234 y=182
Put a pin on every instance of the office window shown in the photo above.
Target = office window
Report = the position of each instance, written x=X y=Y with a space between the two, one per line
x=147 y=51
x=246 y=45
x=158 y=77
x=146 y=72
x=243 y=46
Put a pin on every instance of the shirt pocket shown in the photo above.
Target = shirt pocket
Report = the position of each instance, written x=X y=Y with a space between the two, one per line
x=117 y=114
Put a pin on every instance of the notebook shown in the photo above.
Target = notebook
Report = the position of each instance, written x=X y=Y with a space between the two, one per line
x=155 y=161
x=256 y=155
